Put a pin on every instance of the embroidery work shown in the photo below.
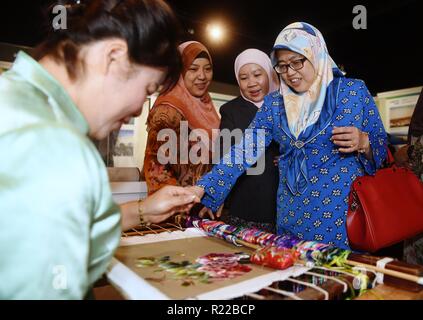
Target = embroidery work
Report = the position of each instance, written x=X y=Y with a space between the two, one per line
x=206 y=269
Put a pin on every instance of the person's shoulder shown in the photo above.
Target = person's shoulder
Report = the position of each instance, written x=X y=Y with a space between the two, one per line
x=353 y=83
x=164 y=108
x=273 y=99
x=232 y=105
x=12 y=87
x=163 y=115
x=51 y=140
x=54 y=153
x=17 y=95
x=273 y=95
x=56 y=131
x=356 y=93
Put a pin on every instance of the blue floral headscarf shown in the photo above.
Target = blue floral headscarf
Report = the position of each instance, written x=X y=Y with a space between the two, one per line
x=303 y=109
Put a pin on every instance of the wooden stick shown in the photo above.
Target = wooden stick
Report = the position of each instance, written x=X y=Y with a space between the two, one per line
x=393 y=273
x=395 y=265
x=396 y=274
x=248 y=245
x=389 y=272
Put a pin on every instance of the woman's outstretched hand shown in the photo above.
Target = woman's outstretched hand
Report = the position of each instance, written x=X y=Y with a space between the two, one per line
x=208 y=213
x=198 y=191
x=167 y=201
x=204 y=212
x=159 y=206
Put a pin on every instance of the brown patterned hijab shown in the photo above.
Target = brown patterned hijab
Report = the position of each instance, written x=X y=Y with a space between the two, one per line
x=199 y=112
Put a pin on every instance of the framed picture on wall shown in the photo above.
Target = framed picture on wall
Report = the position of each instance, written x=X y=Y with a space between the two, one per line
x=123 y=151
x=126 y=147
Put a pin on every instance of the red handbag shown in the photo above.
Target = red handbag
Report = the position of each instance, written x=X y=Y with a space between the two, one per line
x=384 y=209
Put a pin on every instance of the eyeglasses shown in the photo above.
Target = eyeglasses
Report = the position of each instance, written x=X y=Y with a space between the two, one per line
x=294 y=65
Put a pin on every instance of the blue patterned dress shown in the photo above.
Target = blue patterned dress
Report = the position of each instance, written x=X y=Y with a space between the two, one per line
x=315 y=178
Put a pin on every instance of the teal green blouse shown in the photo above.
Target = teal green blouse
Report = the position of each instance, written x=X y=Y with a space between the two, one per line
x=59 y=226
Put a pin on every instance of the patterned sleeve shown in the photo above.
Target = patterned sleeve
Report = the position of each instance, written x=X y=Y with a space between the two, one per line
x=158 y=175
x=372 y=124
x=218 y=183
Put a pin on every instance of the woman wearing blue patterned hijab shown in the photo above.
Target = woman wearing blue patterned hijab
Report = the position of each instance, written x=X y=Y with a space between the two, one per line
x=304 y=89
x=329 y=133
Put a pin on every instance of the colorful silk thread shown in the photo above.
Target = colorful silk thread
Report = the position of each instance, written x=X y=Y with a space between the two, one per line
x=308 y=251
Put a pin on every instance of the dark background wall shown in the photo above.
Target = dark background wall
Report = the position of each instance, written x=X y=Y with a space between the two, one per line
x=388 y=55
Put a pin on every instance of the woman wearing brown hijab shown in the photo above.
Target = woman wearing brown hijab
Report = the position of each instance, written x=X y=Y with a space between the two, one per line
x=189 y=104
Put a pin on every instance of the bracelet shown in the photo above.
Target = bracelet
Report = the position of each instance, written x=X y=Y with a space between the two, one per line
x=363 y=150
x=141 y=214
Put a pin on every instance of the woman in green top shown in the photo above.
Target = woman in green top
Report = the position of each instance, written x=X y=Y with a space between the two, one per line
x=59 y=226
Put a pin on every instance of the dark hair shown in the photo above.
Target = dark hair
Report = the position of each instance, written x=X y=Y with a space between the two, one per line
x=203 y=54
x=149 y=28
